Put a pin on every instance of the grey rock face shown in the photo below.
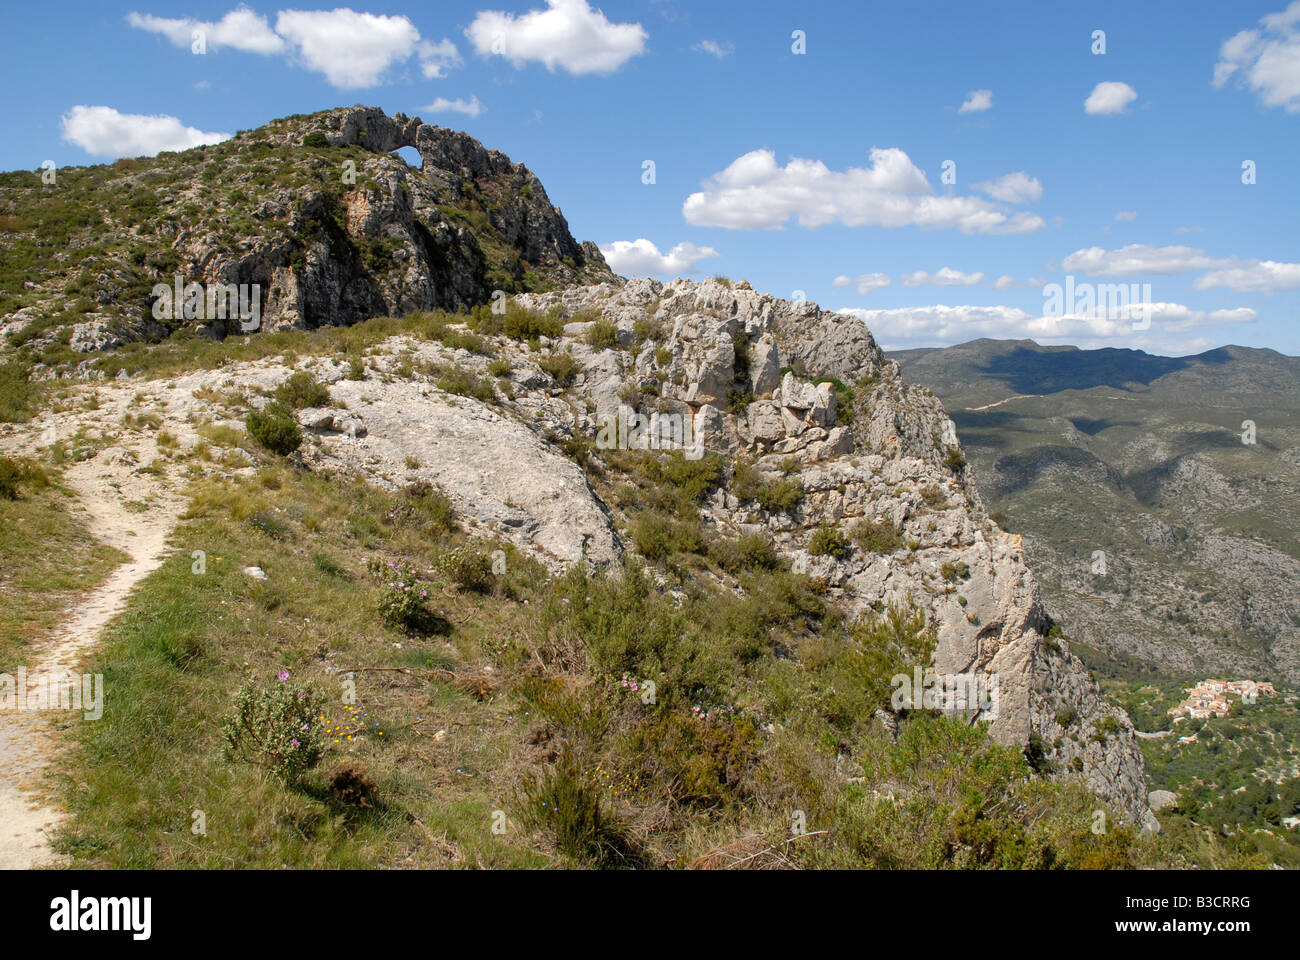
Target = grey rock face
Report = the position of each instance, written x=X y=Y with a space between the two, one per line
x=890 y=460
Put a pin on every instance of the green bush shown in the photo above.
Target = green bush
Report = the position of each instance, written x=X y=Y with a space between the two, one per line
x=274 y=428
x=750 y=551
x=402 y=592
x=302 y=390
x=562 y=804
x=467 y=568
x=602 y=334
x=952 y=572
x=561 y=365
x=276 y=728
x=827 y=540
x=779 y=495
x=315 y=139
x=14 y=474
x=877 y=536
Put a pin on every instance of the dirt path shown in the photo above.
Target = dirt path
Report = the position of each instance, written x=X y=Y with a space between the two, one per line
x=105 y=485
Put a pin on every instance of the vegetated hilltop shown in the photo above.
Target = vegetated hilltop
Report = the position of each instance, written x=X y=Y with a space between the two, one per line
x=1142 y=458
x=454 y=470
x=315 y=209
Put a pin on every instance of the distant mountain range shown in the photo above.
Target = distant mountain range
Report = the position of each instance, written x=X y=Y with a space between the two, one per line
x=1163 y=537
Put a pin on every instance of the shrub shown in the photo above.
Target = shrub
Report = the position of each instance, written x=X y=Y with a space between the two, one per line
x=952 y=572
x=954 y=461
x=467 y=569
x=747 y=552
x=565 y=806
x=748 y=484
x=827 y=540
x=602 y=335
x=878 y=536
x=302 y=390
x=274 y=428
x=348 y=783
x=268 y=523
x=401 y=592
x=14 y=473
x=520 y=323
x=275 y=728
x=560 y=365
x=315 y=139
x=356 y=369
x=18 y=393
x=456 y=379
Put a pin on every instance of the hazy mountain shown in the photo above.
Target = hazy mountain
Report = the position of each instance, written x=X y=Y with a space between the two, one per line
x=1144 y=458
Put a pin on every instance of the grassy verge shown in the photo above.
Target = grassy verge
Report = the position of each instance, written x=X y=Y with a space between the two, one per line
x=48 y=558
x=513 y=718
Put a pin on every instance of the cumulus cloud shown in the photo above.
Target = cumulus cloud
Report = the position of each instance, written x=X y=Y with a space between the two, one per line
x=1266 y=60
x=641 y=258
x=976 y=101
x=240 y=29
x=568 y=34
x=105 y=132
x=437 y=58
x=1137 y=259
x=956 y=324
x=1126 y=216
x=945 y=277
x=351 y=49
x=1016 y=187
x=719 y=50
x=470 y=107
x=1253 y=276
x=1004 y=282
x=1109 y=96
x=863 y=283
x=757 y=193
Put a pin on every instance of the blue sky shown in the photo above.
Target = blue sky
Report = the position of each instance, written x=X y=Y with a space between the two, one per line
x=820 y=172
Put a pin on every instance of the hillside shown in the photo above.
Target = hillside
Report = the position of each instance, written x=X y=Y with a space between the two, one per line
x=1142 y=458
x=424 y=602
x=316 y=210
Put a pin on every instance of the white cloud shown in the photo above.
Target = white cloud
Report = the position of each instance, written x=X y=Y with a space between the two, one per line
x=641 y=258
x=1137 y=259
x=240 y=29
x=756 y=193
x=470 y=107
x=864 y=283
x=1126 y=216
x=106 y=133
x=1109 y=96
x=1267 y=61
x=569 y=34
x=1195 y=228
x=945 y=277
x=1004 y=282
x=976 y=101
x=907 y=326
x=1016 y=187
x=719 y=50
x=1253 y=276
x=437 y=58
x=351 y=49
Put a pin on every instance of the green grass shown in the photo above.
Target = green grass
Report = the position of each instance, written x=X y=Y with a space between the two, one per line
x=48 y=558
